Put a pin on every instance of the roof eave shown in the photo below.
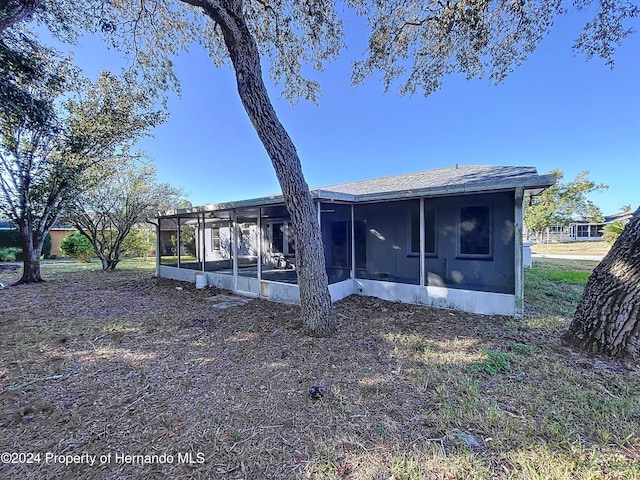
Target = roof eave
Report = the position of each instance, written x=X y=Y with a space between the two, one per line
x=532 y=185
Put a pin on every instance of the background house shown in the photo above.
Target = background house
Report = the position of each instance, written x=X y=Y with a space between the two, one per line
x=449 y=237
x=57 y=233
x=581 y=229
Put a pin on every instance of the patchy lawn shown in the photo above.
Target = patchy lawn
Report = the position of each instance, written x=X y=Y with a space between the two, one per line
x=571 y=248
x=129 y=372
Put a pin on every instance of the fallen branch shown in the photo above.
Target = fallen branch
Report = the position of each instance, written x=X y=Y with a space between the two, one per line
x=31 y=382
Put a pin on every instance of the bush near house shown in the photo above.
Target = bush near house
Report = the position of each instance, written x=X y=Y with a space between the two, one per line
x=77 y=246
x=139 y=243
x=9 y=254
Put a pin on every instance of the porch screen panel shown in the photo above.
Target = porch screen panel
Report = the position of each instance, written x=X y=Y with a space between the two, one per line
x=336 y=236
x=383 y=242
x=188 y=251
x=247 y=247
x=217 y=244
x=278 y=245
x=168 y=242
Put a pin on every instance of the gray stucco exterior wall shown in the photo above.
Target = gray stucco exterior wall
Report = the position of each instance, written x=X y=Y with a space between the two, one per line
x=389 y=254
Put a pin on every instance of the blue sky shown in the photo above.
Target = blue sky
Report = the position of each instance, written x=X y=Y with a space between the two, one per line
x=556 y=111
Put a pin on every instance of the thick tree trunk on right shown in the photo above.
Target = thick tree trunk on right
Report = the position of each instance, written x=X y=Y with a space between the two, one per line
x=607 y=320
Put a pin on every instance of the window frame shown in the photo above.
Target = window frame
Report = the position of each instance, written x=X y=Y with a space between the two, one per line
x=288 y=245
x=490 y=228
x=215 y=237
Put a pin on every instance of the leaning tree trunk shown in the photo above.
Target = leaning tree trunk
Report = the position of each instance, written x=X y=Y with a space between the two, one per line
x=312 y=277
x=31 y=249
x=607 y=319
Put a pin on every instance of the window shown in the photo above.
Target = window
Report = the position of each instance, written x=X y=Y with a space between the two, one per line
x=475 y=231
x=429 y=231
x=215 y=239
x=583 y=230
x=282 y=239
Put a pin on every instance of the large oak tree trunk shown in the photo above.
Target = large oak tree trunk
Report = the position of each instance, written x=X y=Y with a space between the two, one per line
x=607 y=319
x=32 y=244
x=312 y=277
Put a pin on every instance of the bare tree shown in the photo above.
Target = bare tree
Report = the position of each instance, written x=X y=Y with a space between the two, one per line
x=43 y=162
x=125 y=195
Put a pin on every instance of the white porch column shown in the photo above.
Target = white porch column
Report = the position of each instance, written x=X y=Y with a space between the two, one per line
x=353 y=244
x=158 y=252
x=517 y=247
x=203 y=243
x=259 y=228
x=179 y=242
x=234 y=248
x=423 y=280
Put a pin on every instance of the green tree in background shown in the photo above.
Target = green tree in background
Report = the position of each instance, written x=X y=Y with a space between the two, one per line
x=121 y=196
x=43 y=160
x=141 y=242
x=612 y=231
x=558 y=203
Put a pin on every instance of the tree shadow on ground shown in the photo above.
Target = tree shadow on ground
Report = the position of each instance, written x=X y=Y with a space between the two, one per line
x=124 y=363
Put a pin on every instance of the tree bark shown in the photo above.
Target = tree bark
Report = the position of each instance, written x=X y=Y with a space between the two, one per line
x=32 y=250
x=16 y=11
x=607 y=320
x=315 y=299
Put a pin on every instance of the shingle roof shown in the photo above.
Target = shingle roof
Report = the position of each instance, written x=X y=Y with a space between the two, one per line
x=464 y=179
x=433 y=179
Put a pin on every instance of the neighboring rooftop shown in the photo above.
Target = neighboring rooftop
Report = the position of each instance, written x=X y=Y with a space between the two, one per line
x=444 y=181
x=623 y=216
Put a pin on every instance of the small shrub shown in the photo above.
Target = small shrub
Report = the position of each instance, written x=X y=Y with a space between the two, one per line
x=9 y=254
x=46 y=246
x=522 y=348
x=77 y=246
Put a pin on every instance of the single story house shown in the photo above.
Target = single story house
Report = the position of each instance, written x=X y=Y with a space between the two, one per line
x=581 y=229
x=57 y=233
x=449 y=238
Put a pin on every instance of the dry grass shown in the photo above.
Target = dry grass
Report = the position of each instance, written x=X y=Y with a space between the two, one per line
x=125 y=363
x=571 y=248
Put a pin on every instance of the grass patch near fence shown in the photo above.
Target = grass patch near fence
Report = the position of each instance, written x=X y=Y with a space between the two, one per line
x=95 y=362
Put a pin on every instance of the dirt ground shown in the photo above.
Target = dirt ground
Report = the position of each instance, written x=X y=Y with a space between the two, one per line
x=141 y=378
